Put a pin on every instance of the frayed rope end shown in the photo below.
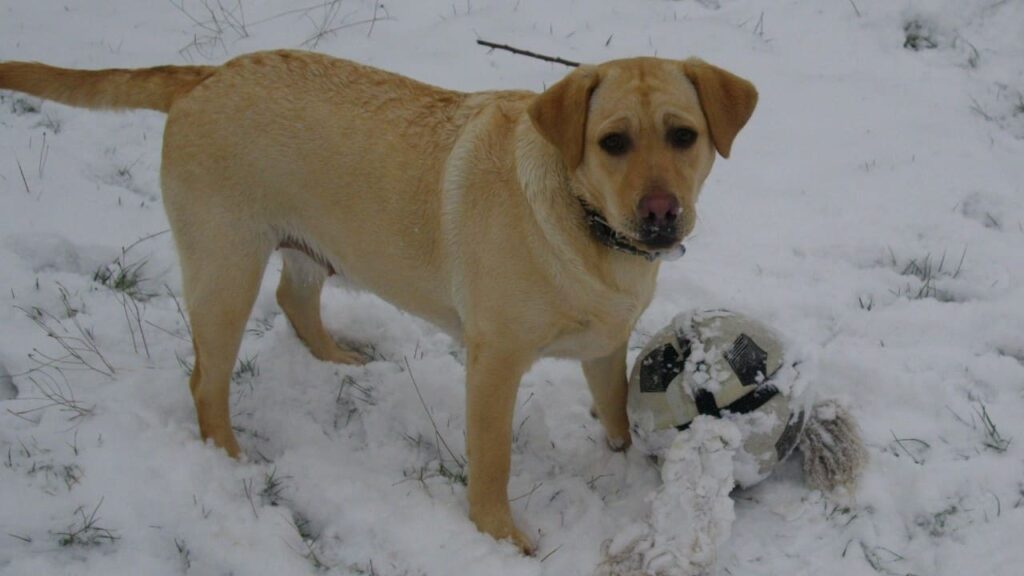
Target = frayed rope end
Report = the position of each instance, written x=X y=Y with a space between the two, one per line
x=834 y=454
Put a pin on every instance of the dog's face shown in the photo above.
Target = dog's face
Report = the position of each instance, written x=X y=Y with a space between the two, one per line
x=639 y=137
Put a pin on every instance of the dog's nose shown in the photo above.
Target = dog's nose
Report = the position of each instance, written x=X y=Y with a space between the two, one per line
x=658 y=209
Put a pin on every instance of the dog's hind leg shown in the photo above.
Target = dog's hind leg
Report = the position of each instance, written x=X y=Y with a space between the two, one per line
x=221 y=273
x=298 y=294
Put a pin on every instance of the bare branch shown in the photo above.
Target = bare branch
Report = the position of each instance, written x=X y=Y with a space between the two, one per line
x=522 y=52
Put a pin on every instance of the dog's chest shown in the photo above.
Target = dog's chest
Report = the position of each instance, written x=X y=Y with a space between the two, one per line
x=596 y=318
x=596 y=331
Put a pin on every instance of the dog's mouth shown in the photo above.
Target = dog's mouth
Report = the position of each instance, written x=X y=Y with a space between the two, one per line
x=663 y=243
x=658 y=237
x=649 y=242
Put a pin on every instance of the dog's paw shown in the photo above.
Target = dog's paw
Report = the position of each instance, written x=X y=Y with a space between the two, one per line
x=504 y=529
x=339 y=354
x=520 y=540
x=620 y=443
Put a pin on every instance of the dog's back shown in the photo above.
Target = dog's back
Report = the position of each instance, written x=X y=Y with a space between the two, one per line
x=288 y=140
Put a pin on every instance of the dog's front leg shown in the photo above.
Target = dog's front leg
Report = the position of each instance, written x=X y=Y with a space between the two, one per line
x=606 y=377
x=493 y=371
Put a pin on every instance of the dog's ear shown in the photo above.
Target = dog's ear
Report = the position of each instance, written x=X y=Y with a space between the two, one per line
x=727 y=101
x=560 y=113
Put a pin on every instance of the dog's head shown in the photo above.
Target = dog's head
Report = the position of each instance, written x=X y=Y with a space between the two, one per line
x=638 y=137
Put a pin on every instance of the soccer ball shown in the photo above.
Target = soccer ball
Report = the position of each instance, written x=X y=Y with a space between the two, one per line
x=724 y=365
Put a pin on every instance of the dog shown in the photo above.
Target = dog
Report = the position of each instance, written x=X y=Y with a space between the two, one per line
x=524 y=224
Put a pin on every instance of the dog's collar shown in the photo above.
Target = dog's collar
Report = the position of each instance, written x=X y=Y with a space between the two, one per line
x=601 y=231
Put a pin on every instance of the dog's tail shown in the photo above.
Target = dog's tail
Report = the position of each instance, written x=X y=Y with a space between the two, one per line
x=152 y=88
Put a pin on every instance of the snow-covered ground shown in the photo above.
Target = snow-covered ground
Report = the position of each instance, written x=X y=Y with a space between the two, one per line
x=873 y=213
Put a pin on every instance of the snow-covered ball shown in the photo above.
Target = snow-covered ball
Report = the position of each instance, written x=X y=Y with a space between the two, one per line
x=721 y=364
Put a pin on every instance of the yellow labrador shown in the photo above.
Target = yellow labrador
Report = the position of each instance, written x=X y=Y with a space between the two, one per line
x=525 y=224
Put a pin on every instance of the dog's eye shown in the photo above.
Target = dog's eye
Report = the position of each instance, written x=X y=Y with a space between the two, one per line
x=681 y=138
x=615 y=144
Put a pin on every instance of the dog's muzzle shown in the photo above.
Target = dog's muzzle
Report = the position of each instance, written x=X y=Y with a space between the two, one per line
x=659 y=236
x=664 y=247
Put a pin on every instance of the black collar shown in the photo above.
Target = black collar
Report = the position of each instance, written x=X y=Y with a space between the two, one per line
x=607 y=235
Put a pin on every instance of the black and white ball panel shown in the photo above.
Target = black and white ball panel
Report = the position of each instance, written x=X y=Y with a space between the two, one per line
x=661 y=366
x=715 y=363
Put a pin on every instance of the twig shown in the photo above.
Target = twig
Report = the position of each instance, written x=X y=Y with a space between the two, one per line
x=313 y=40
x=899 y=442
x=54 y=394
x=522 y=52
x=330 y=13
x=23 y=180
x=302 y=11
x=89 y=533
x=168 y=332
x=77 y=347
x=212 y=25
x=236 y=21
x=143 y=239
x=529 y=494
x=437 y=431
x=127 y=318
x=994 y=439
x=132 y=312
x=373 y=22
x=552 y=553
x=247 y=488
x=44 y=153
x=181 y=312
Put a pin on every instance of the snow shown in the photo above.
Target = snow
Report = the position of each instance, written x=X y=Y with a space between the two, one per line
x=691 y=512
x=866 y=162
